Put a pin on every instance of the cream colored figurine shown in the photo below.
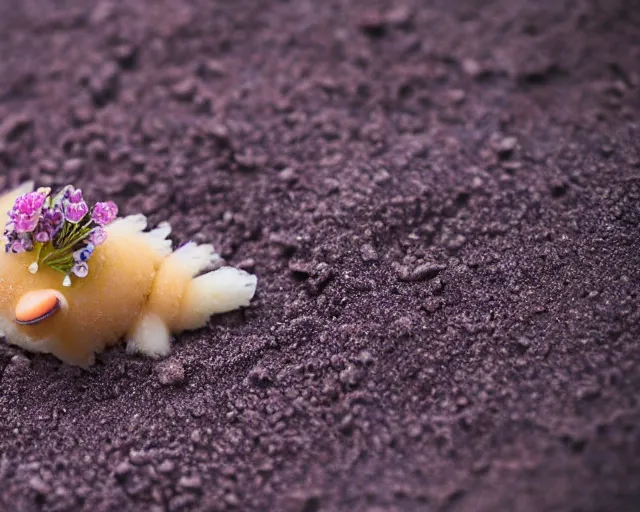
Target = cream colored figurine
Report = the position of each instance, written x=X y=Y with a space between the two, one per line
x=75 y=280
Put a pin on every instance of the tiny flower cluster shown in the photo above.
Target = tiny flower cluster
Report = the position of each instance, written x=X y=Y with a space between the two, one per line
x=61 y=229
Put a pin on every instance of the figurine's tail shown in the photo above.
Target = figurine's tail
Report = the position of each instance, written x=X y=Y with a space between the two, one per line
x=219 y=291
x=184 y=301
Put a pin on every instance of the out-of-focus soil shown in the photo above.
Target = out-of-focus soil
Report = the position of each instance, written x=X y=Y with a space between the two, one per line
x=441 y=201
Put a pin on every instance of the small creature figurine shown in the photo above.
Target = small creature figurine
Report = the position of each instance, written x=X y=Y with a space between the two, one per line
x=75 y=280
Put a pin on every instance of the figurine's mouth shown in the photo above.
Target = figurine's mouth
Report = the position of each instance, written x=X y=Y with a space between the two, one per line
x=38 y=305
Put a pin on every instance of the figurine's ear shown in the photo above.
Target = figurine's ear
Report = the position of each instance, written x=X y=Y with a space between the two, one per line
x=8 y=198
x=37 y=305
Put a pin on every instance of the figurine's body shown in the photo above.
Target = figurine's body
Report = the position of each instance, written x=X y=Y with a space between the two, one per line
x=137 y=289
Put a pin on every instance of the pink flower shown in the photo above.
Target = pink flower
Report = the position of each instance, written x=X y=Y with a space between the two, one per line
x=75 y=212
x=26 y=211
x=104 y=213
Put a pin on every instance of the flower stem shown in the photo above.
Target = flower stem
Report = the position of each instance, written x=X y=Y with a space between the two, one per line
x=73 y=238
x=38 y=251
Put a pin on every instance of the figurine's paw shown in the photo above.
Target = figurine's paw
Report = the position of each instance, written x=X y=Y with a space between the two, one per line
x=150 y=337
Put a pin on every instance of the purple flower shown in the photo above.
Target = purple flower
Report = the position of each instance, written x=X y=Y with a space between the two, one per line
x=18 y=247
x=26 y=211
x=54 y=216
x=52 y=221
x=75 y=196
x=27 y=242
x=49 y=225
x=9 y=231
x=75 y=212
x=104 y=213
x=71 y=201
x=10 y=236
x=98 y=236
x=80 y=269
x=42 y=236
x=82 y=255
x=17 y=242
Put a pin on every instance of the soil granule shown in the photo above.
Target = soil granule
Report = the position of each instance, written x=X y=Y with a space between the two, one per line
x=441 y=201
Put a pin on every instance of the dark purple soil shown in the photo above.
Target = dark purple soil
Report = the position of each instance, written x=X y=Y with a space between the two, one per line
x=442 y=205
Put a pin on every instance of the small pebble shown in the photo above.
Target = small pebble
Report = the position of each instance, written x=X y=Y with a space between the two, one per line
x=185 y=90
x=249 y=265
x=82 y=114
x=415 y=431
x=421 y=272
x=127 y=55
x=505 y=147
x=368 y=253
x=21 y=362
x=122 y=470
x=471 y=67
x=170 y=373
x=217 y=131
x=231 y=500
x=431 y=305
x=365 y=357
x=346 y=425
x=260 y=377
x=192 y=483
x=456 y=96
x=72 y=166
x=588 y=392
x=211 y=69
x=39 y=485
x=350 y=376
x=399 y=16
x=97 y=149
x=288 y=175
x=138 y=457
x=166 y=466
x=251 y=158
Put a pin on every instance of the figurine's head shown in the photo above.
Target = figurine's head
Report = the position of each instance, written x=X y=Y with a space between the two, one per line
x=49 y=239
